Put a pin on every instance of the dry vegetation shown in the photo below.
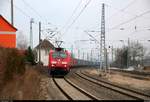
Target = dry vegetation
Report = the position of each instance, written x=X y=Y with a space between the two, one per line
x=16 y=80
x=11 y=64
x=147 y=69
x=25 y=87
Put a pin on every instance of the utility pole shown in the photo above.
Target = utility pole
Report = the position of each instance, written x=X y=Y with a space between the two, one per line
x=31 y=33
x=112 y=53
x=108 y=53
x=72 y=49
x=106 y=60
x=142 y=56
x=87 y=56
x=83 y=56
x=78 y=53
x=102 y=40
x=39 y=42
x=12 y=13
x=128 y=56
x=91 y=57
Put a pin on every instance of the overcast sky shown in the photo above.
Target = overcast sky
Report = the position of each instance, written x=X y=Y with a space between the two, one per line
x=58 y=12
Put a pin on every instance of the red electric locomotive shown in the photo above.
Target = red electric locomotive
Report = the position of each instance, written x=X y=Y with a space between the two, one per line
x=60 y=61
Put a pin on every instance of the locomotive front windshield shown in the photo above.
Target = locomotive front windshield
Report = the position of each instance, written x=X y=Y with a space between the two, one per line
x=59 y=54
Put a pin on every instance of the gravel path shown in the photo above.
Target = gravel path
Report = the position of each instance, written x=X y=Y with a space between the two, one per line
x=50 y=91
x=70 y=90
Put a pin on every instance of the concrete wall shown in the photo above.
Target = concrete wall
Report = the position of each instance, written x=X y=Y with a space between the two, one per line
x=44 y=56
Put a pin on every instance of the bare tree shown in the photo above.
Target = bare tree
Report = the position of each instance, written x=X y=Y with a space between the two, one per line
x=121 y=58
x=21 y=41
x=136 y=53
x=130 y=55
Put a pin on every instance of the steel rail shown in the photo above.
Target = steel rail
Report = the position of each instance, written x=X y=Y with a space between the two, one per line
x=112 y=87
x=109 y=83
x=82 y=90
x=66 y=95
x=76 y=87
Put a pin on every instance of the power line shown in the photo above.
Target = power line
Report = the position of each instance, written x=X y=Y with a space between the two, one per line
x=132 y=19
x=19 y=9
x=131 y=3
x=80 y=13
x=77 y=16
x=24 y=13
x=27 y=4
x=123 y=9
x=74 y=11
x=35 y=11
x=71 y=15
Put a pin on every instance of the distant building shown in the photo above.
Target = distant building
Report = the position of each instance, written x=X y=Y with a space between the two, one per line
x=45 y=48
x=146 y=62
x=7 y=34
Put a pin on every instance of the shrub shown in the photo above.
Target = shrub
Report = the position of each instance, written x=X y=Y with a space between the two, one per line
x=20 y=68
x=30 y=56
x=14 y=64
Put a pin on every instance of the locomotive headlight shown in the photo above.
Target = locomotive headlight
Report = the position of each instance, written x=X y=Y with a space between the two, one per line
x=53 y=65
x=64 y=62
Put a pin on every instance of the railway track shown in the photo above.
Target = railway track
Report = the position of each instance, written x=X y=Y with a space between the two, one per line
x=72 y=91
x=121 y=90
x=101 y=92
x=139 y=73
x=124 y=87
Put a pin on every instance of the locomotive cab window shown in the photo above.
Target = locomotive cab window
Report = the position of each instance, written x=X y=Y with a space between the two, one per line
x=59 y=55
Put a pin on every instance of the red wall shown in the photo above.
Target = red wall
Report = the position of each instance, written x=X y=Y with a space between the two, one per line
x=7 y=40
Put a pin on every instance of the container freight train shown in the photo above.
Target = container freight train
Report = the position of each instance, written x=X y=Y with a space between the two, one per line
x=61 y=61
